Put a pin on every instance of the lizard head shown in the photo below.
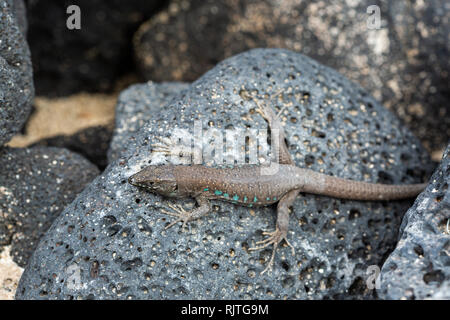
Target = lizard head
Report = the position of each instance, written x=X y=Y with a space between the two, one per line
x=157 y=179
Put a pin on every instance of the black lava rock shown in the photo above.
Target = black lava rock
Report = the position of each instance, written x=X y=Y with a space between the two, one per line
x=92 y=143
x=92 y=58
x=419 y=267
x=16 y=83
x=111 y=243
x=136 y=106
x=35 y=186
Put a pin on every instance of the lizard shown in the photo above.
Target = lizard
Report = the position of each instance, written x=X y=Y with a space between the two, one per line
x=247 y=185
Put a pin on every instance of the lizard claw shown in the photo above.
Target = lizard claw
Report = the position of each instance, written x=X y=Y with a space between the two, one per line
x=262 y=109
x=164 y=145
x=168 y=147
x=265 y=111
x=179 y=212
x=274 y=238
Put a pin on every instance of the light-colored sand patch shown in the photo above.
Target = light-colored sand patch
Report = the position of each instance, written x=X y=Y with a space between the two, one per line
x=66 y=115
x=10 y=274
x=437 y=155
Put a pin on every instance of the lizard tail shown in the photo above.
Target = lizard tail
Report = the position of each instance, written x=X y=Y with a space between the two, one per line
x=358 y=190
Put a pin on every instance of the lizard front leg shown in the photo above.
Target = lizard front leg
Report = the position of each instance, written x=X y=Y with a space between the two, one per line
x=169 y=147
x=184 y=216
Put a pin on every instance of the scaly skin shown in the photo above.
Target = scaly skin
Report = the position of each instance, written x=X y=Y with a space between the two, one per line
x=251 y=185
x=247 y=185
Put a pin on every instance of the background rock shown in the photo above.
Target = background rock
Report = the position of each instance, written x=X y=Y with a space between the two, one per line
x=90 y=59
x=35 y=186
x=419 y=267
x=20 y=13
x=92 y=143
x=110 y=242
x=136 y=106
x=16 y=84
x=404 y=64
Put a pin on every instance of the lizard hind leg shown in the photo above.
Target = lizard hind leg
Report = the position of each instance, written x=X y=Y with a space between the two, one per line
x=274 y=238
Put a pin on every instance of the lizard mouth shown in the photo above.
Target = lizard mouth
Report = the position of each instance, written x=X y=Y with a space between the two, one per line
x=132 y=180
x=135 y=181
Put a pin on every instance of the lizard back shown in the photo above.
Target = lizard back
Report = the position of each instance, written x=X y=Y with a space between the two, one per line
x=247 y=185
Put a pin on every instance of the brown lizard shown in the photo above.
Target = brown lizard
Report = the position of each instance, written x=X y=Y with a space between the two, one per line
x=248 y=185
